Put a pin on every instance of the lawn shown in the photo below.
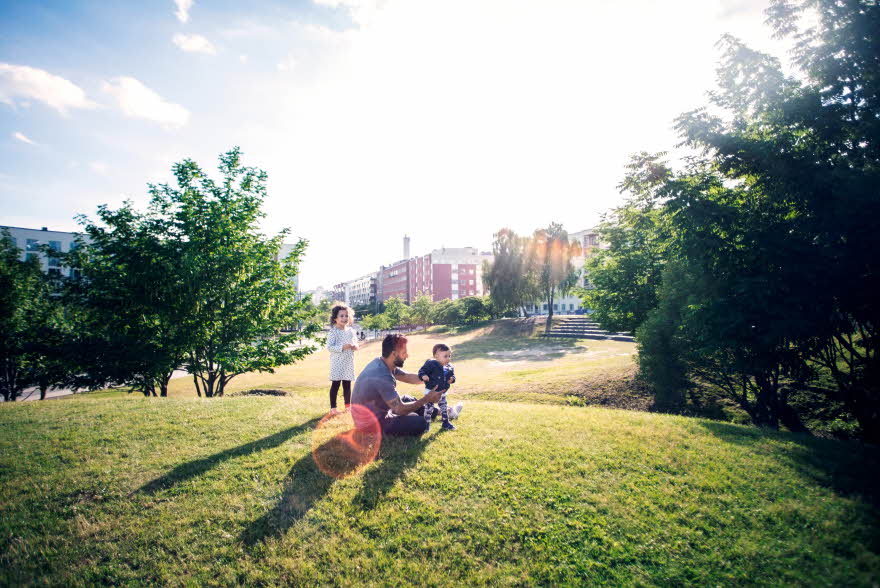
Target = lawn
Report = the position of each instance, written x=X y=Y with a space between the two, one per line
x=188 y=491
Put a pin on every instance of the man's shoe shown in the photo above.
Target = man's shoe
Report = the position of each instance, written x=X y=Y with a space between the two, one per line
x=456 y=410
x=447 y=426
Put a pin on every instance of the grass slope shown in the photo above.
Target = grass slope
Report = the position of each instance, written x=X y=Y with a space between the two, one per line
x=185 y=491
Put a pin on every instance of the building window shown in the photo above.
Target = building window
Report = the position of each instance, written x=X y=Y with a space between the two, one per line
x=33 y=245
x=545 y=308
x=54 y=261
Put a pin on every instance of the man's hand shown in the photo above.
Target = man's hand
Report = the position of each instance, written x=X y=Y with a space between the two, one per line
x=452 y=379
x=425 y=378
x=433 y=396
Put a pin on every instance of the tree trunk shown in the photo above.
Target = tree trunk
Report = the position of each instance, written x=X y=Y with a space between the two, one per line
x=524 y=311
x=547 y=327
x=43 y=388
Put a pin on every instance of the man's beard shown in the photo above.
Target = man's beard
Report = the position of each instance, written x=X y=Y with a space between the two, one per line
x=398 y=362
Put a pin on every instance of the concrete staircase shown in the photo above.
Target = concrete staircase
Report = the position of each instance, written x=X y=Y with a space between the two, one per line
x=581 y=327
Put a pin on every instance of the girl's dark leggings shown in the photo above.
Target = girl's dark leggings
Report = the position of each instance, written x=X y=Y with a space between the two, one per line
x=334 y=391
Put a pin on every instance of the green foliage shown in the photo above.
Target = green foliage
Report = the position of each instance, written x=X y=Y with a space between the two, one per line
x=31 y=319
x=625 y=277
x=511 y=278
x=422 y=310
x=397 y=312
x=774 y=225
x=551 y=254
x=192 y=282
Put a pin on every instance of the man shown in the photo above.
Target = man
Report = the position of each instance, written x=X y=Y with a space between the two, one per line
x=376 y=390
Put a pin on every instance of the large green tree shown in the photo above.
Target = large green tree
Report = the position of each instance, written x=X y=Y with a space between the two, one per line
x=193 y=282
x=771 y=227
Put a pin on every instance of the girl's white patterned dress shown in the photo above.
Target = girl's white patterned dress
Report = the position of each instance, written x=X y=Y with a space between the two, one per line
x=341 y=362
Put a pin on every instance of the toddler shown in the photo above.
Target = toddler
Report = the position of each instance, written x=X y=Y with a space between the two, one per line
x=342 y=342
x=439 y=373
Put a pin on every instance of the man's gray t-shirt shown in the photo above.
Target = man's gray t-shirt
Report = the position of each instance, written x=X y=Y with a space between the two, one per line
x=374 y=388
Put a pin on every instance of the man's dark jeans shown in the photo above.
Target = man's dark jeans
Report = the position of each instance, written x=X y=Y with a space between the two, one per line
x=408 y=425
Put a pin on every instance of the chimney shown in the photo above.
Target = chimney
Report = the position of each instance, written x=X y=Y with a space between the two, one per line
x=405 y=247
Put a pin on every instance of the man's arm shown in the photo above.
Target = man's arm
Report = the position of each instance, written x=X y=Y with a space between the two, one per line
x=402 y=376
x=400 y=408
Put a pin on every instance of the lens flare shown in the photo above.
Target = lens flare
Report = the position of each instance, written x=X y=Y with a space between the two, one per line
x=340 y=448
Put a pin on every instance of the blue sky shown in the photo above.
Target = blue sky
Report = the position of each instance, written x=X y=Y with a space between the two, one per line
x=370 y=116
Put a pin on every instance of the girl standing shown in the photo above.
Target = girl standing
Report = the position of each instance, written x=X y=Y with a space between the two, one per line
x=342 y=343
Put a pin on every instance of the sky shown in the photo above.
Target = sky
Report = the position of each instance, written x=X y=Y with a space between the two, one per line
x=444 y=120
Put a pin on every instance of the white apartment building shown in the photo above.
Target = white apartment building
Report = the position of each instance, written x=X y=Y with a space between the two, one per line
x=30 y=240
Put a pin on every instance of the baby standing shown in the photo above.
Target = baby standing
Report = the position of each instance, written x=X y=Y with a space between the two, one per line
x=342 y=342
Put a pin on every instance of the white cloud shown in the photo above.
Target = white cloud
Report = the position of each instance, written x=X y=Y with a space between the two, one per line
x=99 y=167
x=21 y=137
x=182 y=12
x=138 y=101
x=20 y=83
x=289 y=63
x=194 y=44
x=243 y=58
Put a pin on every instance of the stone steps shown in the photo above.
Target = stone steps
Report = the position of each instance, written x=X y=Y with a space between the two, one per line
x=583 y=328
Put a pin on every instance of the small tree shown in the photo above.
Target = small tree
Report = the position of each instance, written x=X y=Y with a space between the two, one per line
x=511 y=278
x=397 y=312
x=422 y=310
x=552 y=257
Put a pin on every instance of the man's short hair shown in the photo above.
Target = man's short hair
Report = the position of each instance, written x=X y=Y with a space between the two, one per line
x=439 y=347
x=392 y=343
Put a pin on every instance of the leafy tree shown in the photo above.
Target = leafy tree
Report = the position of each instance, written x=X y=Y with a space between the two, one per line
x=447 y=312
x=511 y=278
x=474 y=309
x=422 y=310
x=29 y=315
x=193 y=282
x=397 y=312
x=625 y=277
x=552 y=258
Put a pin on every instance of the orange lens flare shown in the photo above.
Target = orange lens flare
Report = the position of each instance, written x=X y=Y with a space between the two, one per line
x=339 y=448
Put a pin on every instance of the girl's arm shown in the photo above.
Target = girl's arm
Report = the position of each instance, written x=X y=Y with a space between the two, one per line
x=333 y=343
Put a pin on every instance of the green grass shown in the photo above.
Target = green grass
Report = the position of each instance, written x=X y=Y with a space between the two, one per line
x=188 y=491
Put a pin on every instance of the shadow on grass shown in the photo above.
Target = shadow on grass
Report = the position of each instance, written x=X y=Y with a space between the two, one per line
x=848 y=468
x=198 y=467
x=307 y=483
x=397 y=456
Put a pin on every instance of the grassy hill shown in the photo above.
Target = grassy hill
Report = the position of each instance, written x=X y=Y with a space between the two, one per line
x=227 y=491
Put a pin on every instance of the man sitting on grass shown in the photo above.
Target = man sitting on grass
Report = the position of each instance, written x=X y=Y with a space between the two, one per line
x=376 y=390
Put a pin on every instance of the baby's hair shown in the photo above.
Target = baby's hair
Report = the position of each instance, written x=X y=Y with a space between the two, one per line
x=337 y=309
x=439 y=347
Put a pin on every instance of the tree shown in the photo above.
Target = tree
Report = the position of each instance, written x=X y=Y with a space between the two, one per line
x=397 y=312
x=29 y=313
x=511 y=278
x=625 y=278
x=193 y=282
x=422 y=310
x=552 y=257
x=474 y=310
x=447 y=312
x=807 y=151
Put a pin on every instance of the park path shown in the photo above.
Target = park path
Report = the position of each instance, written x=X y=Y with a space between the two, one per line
x=34 y=393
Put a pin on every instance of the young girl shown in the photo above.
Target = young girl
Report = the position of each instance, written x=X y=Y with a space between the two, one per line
x=342 y=342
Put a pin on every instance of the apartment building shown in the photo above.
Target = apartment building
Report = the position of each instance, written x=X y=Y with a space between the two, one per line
x=30 y=240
